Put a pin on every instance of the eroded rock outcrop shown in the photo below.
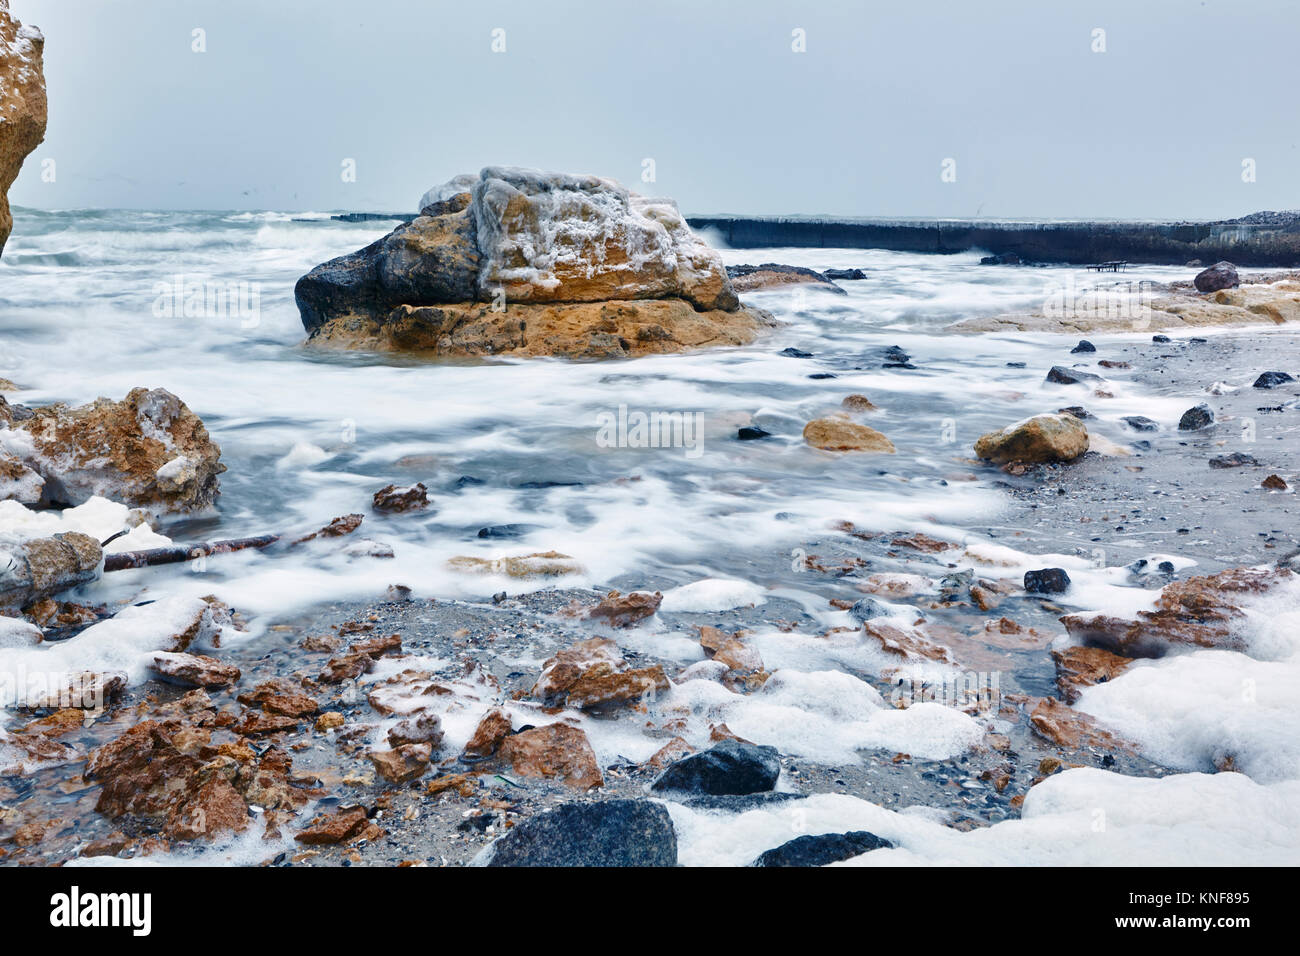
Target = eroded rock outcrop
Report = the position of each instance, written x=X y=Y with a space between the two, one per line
x=148 y=450
x=22 y=104
x=524 y=262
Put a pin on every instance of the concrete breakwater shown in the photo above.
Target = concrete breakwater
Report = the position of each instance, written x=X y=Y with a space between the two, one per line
x=1261 y=239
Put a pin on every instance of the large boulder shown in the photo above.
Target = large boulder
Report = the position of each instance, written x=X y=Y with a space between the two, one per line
x=148 y=450
x=22 y=104
x=612 y=833
x=526 y=262
x=1221 y=275
x=1038 y=439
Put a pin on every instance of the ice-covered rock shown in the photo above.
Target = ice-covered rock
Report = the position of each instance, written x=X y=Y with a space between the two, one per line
x=527 y=262
x=147 y=450
x=22 y=104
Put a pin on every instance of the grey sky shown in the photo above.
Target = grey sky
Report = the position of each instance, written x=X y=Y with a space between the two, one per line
x=1039 y=124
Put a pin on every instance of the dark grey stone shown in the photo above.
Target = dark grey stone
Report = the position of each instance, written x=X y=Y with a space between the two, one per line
x=822 y=849
x=613 y=833
x=1047 y=581
x=727 y=767
x=1194 y=419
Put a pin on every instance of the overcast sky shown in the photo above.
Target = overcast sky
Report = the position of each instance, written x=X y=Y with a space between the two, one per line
x=1157 y=125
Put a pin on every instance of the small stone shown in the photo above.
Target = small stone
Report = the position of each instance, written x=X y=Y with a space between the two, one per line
x=1194 y=419
x=858 y=403
x=1274 y=483
x=1047 y=581
x=1141 y=423
x=392 y=499
x=1060 y=375
x=488 y=735
x=823 y=849
x=752 y=433
x=1083 y=346
x=1273 y=379
x=834 y=434
x=1236 y=460
x=402 y=764
x=330 y=720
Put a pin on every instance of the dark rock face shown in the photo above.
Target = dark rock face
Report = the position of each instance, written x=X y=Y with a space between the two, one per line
x=793 y=352
x=1047 y=581
x=613 y=833
x=752 y=433
x=823 y=849
x=1221 y=275
x=1061 y=375
x=1194 y=419
x=1078 y=411
x=729 y=767
x=1161 y=339
x=1083 y=346
x=1273 y=379
x=1002 y=259
x=423 y=262
x=844 y=274
x=1141 y=423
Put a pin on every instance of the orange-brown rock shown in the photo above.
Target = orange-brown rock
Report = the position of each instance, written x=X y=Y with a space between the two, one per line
x=394 y=500
x=612 y=329
x=39 y=567
x=907 y=643
x=22 y=104
x=344 y=824
x=922 y=542
x=593 y=675
x=148 y=450
x=858 y=403
x=1039 y=439
x=464 y=784
x=420 y=728
x=554 y=752
x=491 y=730
x=1202 y=611
x=624 y=610
x=402 y=764
x=195 y=670
x=1065 y=727
x=674 y=750
x=1078 y=667
x=147 y=776
x=839 y=434
x=1274 y=483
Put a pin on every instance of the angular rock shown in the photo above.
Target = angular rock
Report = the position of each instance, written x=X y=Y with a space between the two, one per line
x=1083 y=346
x=835 y=434
x=403 y=763
x=344 y=824
x=1221 y=275
x=391 y=499
x=1141 y=423
x=728 y=767
x=1237 y=459
x=1274 y=483
x=593 y=675
x=417 y=729
x=1043 y=438
x=624 y=610
x=1201 y=611
x=22 y=104
x=611 y=833
x=194 y=670
x=1060 y=725
x=1078 y=667
x=148 y=450
x=488 y=735
x=39 y=567
x=823 y=849
x=554 y=752
x=17 y=633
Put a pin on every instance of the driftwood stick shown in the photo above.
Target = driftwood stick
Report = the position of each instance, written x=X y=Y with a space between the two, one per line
x=186 y=552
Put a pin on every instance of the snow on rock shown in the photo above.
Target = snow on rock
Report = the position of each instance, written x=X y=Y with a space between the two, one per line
x=97 y=517
x=15 y=632
x=712 y=594
x=147 y=450
x=122 y=646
